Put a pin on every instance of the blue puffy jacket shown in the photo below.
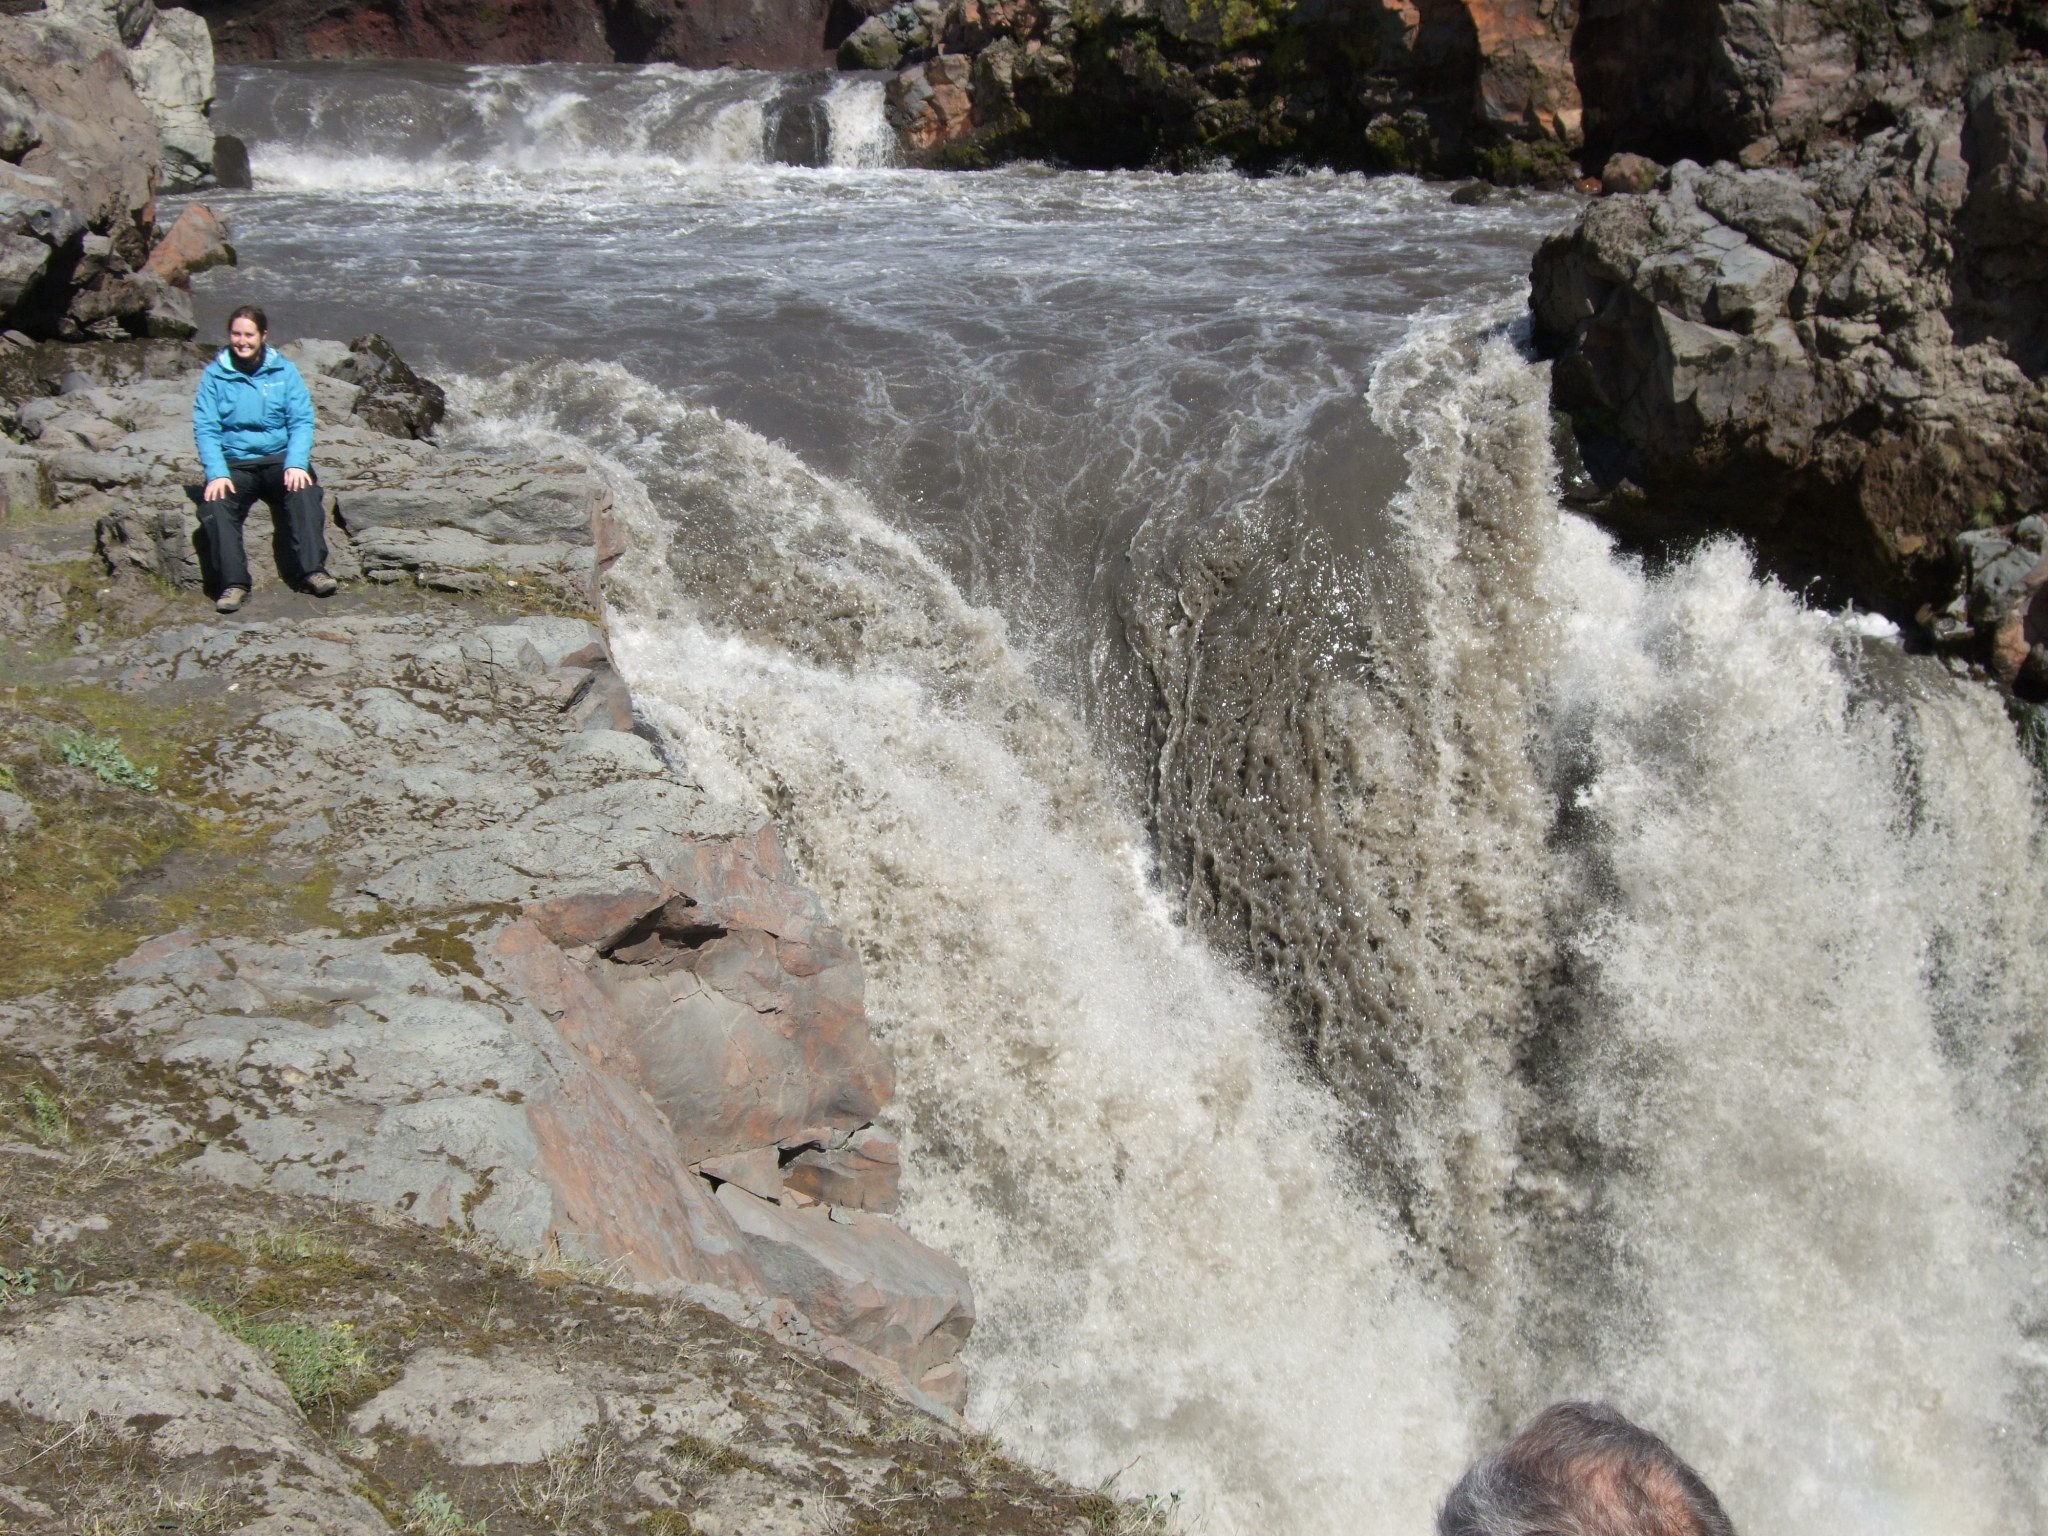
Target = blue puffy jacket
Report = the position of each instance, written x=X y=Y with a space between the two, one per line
x=246 y=416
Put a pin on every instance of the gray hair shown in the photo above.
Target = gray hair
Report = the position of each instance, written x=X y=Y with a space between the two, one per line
x=1581 y=1469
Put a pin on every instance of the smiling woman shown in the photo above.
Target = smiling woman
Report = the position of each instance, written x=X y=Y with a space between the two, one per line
x=253 y=422
x=1363 y=960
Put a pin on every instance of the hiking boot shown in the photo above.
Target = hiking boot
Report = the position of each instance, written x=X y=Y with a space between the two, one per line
x=320 y=584
x=231 y=599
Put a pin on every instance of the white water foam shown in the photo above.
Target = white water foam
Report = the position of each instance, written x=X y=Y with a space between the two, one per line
x=861 y=136
x=1762 y=1199
x=1176 y=1283
x=1793 y=1071
x=1806 y=974
x=510 y=127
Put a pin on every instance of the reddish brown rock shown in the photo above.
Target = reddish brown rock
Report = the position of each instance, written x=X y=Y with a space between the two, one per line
x=861 y=1279
x=2023 y=628
x=863 y=1172
x=622 y=1189
x=754 y=34
x=195 y=243
x=719 y=1024
x=929 y=104
x=730 y=1001
x=1526 y=86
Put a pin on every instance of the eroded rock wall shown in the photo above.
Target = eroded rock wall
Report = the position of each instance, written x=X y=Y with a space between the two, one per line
x=760 y=34
x=1373 y=84
x=1842 y=362
x=102 y=105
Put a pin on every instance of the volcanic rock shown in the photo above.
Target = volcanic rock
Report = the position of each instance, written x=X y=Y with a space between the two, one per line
x=1842 y=362
x=781 y=34
x=394 y=399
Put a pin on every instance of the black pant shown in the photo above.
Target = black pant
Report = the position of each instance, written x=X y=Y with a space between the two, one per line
x=301 y=526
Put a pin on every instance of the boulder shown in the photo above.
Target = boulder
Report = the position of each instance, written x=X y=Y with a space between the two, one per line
x=167 y=1376
x=1840 y=363
x=85 y=163
x=861 y=1279
x=99 y=153
x=394 y=399
x=231 y=164
x=172 y=67
x=871 y=45
x=197 y=242
x=1628 y=174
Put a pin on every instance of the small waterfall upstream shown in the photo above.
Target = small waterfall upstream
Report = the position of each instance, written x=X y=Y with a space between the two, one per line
x=1364 y=958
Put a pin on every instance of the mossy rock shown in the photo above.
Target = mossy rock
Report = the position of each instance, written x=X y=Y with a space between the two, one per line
x=1520 y=163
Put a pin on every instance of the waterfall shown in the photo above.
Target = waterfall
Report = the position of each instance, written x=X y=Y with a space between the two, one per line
x=1365 y=957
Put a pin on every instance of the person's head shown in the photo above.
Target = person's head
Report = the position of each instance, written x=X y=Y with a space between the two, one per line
x=248 y=329
x=1581 y=1469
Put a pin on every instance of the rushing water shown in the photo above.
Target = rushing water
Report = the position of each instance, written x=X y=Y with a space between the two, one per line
x=1363 y=959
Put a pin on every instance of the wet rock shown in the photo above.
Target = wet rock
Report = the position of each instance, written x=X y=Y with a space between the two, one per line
x=483 y=1412
x=231 y=164
x=394 y=399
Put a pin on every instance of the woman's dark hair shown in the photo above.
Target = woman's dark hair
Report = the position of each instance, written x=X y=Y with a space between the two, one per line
x=251 y=312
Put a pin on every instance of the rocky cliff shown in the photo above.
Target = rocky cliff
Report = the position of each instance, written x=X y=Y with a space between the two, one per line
x=1515 y=90
x=102 y=105
x=408 y=1075
x=703 y=34
x=385 y=903
x=1843 y=362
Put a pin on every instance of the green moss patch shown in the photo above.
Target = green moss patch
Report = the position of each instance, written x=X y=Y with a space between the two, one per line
x=131 y=840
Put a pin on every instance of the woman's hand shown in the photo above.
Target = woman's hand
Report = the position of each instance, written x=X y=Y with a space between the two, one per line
x=221 y=490
x=296 y=479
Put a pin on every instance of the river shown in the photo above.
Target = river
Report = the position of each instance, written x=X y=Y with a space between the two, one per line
x=1364 y=958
